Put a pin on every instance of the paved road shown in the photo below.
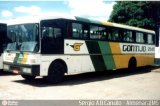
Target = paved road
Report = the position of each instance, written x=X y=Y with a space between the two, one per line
x=142 y=84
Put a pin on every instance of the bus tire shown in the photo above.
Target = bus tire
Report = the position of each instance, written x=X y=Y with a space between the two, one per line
x=28 y=77
x=132 y=64
x=56 y=72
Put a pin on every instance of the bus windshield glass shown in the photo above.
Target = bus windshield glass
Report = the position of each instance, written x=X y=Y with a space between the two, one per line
x=23 y=37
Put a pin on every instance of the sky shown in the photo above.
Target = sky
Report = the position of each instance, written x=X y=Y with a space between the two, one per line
x=94 y=9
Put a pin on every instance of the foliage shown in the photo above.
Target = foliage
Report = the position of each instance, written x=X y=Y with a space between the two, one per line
x=136 y=13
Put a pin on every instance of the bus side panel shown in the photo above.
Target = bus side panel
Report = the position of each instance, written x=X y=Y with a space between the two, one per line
x=144 y=60
x=44 y=65
x=82 y=56
x=78 y=54
x=122 y=61
x=88 y=56
x=79 y=64
x=122 y=58
x=75 y=63
x=97 y=53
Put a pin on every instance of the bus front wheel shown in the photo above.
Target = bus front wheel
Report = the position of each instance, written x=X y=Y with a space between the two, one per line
x=28 y=77
x=56 y=72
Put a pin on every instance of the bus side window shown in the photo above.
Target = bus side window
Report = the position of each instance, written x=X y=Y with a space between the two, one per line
x=50 y=32
x=44 y=32
x=150 y=39
x=109 y=34
x=115 y=35
x=97 y=32
x=140 y=37
x=57 y=33
x=76 y=30
x=127 y=36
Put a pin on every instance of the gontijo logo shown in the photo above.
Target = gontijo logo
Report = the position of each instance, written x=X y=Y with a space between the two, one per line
x=76 y=46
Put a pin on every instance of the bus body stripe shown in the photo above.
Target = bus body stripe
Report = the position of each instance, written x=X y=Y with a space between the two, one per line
x=116 y=54
x=107 y=55
x=16 y=58
x=24 y=59
x=96 y=57
x=20 y=58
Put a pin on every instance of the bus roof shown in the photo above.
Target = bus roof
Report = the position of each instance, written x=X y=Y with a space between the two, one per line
x=35 y=19
x=115 y=25
x=2 y=23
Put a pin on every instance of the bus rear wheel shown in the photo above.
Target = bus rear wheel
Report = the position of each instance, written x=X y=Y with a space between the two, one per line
x=132 y=64
x=56 y=72
x=28 y=77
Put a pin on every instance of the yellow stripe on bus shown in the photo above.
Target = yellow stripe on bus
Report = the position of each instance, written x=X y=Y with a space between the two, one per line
x=122 y=61
x=143 y=59
x=115 y=48
x=24 y=60
x=107 y=23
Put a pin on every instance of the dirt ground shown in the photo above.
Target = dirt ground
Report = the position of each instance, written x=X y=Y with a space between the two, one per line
x=121 y=84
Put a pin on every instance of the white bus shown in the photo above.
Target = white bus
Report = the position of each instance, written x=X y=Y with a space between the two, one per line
x=54 y=47
x=3 y=33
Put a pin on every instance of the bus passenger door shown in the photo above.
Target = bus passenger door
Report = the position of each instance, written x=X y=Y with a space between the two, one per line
x=52 y=40
x=3 y=34
x=1 y=42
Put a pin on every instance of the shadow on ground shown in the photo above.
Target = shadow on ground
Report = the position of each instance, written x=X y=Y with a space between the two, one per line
x=88 y=77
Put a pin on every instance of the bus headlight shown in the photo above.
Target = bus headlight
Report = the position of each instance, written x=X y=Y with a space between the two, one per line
x=26 y=70
x=6 y=67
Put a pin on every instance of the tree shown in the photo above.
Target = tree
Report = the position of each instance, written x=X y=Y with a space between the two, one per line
x=145 y=14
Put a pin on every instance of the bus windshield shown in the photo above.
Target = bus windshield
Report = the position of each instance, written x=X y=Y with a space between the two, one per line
x=23 y=37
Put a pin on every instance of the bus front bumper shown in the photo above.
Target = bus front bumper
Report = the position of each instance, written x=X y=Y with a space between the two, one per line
x=33 y=70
